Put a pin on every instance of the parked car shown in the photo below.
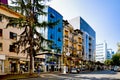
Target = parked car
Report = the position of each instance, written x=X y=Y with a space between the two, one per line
x=116 y=68
x=75 y=70
x=82 y=69
x=112 y=68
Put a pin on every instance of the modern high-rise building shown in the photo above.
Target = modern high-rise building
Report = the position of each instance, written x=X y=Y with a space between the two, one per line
x=55 y=34
x=101 y=52
x=89 y=37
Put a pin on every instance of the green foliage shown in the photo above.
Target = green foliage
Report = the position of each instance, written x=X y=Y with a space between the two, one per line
x=108 y=62
x=116 y=59
x=30 y=40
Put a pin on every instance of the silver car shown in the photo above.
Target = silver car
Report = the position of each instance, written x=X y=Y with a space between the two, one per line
x=75 y=70
x=116 y=68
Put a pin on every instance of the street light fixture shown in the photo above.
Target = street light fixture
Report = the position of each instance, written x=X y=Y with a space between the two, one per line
x=64 y=66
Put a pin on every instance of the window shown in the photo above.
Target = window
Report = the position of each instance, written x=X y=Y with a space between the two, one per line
x=59 y=39
x=59 y=29
x=13 y=36
x=51 y=36
x=51 y=24
x=13 y=23
x=52 y=15
x=0 y=32
x=0 y=46
x=0 y=18
x=12 y=48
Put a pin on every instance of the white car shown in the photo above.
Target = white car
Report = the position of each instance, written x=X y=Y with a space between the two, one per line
x=74 y=70
x=116 y=68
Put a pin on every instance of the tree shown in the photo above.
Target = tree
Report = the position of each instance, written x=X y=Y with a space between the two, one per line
x=116 y=59
x=30 y=40
x=108 y=62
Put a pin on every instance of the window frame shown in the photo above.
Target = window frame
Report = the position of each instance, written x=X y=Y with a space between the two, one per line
x=1 y=32
x=0 y=18
x=59 y=29
x=1 y=46
x=12 y=36
x=59 y=39
x=12 y=48
x=52 y=15
x=51 y=36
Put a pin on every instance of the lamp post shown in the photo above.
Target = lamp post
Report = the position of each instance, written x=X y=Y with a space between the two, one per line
x=68 y=54
x=64 y=65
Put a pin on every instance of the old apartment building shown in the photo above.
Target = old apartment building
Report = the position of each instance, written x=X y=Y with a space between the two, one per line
x=9 y=59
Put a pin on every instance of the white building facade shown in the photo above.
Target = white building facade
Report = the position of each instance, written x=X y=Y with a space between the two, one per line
x=101 y=52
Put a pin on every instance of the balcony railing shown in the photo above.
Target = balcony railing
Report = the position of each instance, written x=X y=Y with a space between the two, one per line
x=66 y=36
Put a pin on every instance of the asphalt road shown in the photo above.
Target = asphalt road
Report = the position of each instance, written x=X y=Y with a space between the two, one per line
x=97 y=75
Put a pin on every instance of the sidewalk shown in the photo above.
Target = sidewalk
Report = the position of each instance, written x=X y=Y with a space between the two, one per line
x=34 y=75
x=24 y=75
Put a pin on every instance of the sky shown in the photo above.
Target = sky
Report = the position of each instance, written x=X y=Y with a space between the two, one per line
x=102 y=15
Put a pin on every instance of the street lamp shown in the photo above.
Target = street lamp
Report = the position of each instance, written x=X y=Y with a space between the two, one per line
x=64 y=66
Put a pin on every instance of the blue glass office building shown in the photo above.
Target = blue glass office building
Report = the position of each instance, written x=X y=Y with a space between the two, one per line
x=89 y=37
x=55 y=33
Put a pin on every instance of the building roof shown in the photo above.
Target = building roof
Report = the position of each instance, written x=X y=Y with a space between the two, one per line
x=9 y=12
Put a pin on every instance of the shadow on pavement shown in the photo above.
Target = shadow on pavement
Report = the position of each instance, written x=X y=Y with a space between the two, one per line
x=94 y=78
x=100 y=72
x=93 y=72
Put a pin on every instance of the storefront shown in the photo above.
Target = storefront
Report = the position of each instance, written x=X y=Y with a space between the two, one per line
x=39 y=62
x=2 y=58
x=17 y=65
x=51 y=67
x=52 y=63
x=14 y=64
x=24 y=66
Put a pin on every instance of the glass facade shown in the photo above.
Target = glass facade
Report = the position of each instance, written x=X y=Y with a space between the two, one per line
x=55 y=33
x=89 y=39
x=84 y=26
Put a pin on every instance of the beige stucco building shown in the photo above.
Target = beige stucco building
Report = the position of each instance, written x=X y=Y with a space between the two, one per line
x=9 y=59
x=72 y=46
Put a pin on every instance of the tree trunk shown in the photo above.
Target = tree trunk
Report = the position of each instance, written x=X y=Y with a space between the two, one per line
x=31 y=63
x=31 y=49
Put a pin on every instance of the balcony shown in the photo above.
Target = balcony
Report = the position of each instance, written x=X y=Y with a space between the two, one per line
x=66 y=36
x=79 y=49
x=66 y=45
x=79 y=40
x=71 y=47
x=66 y=32
x=75 y=41
x=74 y=49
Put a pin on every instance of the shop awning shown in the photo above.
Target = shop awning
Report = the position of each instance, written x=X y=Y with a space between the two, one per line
x=22 y=62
